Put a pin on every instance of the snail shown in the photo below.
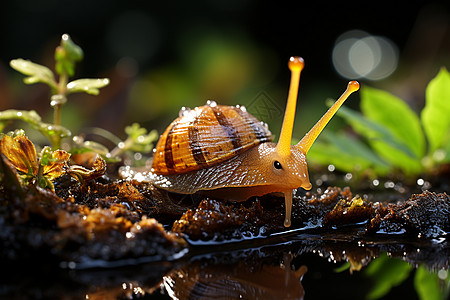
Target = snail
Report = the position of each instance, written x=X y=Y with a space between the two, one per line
x=225 y=152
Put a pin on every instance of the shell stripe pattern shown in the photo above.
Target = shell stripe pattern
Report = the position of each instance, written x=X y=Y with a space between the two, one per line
x=227 y=127
x=195 y=144
x=168 y=157
x=260 y=129
x=194 y=136
x=207 y=135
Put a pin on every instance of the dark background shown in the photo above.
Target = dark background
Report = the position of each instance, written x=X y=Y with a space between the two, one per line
x=183 y=53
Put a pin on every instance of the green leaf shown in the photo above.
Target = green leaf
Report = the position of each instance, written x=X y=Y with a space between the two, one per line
x=371 y=130
x=74 y=52
x=29 y=116
x=427 y=285
x=135 y=130
x=395 y=115
x=36 y=72
x=435 y=115
x=346 y=154
x=344 y=267
x=383 y=141
x=50 y=131
x=138 y=140
x=66 y=55
x=386 y=273
x=90 y=86
x=356 y=148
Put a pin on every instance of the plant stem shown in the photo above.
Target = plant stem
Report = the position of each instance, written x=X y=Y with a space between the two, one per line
x=62 y=88
x=39 y=175
x=57 y=102
x=57 y=114
x=120 y=148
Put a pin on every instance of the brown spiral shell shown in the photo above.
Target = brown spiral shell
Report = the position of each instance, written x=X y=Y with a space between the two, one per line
x=207 y=135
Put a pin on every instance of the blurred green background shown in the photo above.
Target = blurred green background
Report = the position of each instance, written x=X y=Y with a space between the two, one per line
x=161 y=56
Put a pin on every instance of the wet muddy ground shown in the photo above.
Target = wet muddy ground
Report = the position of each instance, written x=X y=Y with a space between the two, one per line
x=123 y=239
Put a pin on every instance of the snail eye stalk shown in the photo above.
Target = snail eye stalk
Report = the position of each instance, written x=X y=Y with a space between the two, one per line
x=312 y=135
x=296 y=65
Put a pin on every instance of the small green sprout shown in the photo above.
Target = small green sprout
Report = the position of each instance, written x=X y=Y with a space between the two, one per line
x=396 y=138
x=67 y=54
x=138 y=140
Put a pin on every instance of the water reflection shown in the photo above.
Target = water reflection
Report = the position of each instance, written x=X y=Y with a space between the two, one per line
x=205 y=279
x=320 y=266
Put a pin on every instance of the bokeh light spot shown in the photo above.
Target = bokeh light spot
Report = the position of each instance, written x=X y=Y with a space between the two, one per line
x=357 y=54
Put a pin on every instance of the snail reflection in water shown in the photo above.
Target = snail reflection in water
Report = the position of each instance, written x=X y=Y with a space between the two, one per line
x=226 y=153
x=239 y=280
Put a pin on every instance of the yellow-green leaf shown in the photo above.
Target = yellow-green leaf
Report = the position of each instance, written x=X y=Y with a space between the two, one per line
x=36 y=72
x=435 y=115
x=90 y=86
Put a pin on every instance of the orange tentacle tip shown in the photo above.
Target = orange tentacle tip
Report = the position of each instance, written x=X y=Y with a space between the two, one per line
x=353 y=86
x=296 y=63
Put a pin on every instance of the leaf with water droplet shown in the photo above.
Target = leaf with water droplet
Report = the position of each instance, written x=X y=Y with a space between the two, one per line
x=36 y=72
x=66 y=55
x=29 y=116
x=90 y=86
x=74 y=52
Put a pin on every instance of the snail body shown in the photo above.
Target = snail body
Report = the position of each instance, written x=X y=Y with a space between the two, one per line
x=225 y=152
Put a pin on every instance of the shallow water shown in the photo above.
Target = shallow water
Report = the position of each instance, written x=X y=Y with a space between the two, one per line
x=342 y=264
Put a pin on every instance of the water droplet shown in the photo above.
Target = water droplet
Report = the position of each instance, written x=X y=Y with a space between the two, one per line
x=211 y=103
x=242 y=108
x=58 y=100
x=183 y=111
x=389 y=184
x=442 y=274
x=348 y=177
